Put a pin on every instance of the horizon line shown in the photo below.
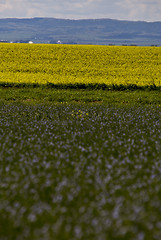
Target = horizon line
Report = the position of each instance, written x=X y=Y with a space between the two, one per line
x=80 y=19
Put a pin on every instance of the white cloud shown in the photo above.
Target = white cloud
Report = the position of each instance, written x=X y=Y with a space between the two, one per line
x=148 y=10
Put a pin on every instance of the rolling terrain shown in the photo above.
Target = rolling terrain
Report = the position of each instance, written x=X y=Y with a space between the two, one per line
x=87 y=31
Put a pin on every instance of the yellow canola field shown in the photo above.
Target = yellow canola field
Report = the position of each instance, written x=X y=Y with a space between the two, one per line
x=43 y=63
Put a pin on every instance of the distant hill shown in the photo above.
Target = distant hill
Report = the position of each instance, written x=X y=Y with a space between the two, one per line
x=88 y=31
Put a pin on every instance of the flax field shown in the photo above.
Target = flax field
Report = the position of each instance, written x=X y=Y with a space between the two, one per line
x=72 y=171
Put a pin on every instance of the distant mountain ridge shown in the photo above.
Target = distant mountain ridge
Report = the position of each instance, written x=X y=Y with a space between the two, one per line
x=87 y=31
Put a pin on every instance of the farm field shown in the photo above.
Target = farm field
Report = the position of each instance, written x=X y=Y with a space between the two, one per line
x=79 y=64
x=80 y=142
x=80 y=171
x=56 y=96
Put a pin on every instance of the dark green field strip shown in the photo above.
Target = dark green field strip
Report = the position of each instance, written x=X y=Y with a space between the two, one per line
x=88 y=86
x=34 y=95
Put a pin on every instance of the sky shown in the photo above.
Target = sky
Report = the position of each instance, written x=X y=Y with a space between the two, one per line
x=135 y=10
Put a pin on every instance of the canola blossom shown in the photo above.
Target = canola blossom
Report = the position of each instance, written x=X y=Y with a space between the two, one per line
x=71 y=64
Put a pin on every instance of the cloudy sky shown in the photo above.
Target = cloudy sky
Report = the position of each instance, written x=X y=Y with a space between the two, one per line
x=146 y=10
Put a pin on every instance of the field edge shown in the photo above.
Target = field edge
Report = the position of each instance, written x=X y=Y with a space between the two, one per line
x=55 y=95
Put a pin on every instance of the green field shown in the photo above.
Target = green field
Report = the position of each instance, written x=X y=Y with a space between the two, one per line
x=80 y=157
x=56 y=96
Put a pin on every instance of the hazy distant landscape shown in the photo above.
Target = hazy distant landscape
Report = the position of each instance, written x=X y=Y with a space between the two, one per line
x=88 y=31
